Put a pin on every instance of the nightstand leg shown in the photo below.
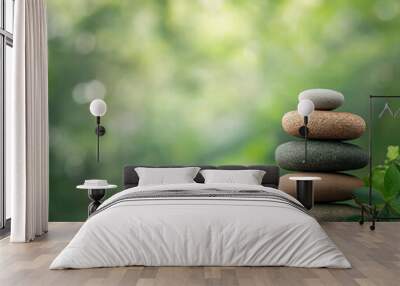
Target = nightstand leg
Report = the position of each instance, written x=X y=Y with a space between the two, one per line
x=305 y=193
x=95 y=196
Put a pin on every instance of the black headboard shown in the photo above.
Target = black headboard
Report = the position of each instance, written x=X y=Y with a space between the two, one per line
x=270 y=179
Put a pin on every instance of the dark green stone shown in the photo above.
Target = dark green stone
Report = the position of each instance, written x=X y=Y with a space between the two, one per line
x=324 y=156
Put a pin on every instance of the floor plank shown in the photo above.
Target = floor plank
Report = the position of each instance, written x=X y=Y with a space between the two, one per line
x=375 y=257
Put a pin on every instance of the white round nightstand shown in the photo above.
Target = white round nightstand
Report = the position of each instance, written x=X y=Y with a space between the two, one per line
x=304 y=189
x=95 y=194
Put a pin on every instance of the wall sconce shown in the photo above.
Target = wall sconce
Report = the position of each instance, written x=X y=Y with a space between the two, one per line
x=98 y=108
x=305 y=108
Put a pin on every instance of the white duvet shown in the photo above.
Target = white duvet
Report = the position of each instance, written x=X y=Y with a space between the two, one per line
x=200 y=231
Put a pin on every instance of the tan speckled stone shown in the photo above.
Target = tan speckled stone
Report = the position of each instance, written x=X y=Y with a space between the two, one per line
x=326 y=125
x=333 y=186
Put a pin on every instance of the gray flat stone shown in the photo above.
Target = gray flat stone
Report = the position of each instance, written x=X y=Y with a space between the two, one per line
x=322 y=156
x=323 y=99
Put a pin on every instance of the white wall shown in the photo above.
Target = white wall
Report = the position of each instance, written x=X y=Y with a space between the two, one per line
x=8 y=94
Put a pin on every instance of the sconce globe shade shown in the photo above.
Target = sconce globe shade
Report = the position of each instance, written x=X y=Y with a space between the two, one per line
x=305 y=107
x=98 y=107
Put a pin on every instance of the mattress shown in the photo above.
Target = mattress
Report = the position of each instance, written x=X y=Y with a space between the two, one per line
x=201 y=225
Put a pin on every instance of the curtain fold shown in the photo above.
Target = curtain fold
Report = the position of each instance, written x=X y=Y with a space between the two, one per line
x=28 y=146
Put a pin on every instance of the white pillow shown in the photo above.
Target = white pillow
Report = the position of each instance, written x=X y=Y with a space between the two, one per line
x=165 y=176
x=248 y=177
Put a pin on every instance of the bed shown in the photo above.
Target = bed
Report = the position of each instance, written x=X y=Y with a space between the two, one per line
x=198 y=224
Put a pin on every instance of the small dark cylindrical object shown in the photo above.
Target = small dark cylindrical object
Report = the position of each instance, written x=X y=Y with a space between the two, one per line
x=95 y=196
x=100 y=131
x=305 y=193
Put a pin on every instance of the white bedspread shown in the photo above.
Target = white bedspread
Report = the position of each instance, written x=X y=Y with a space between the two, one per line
x=200 y=231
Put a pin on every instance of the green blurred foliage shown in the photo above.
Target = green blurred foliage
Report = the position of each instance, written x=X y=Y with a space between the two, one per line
x=201 y=81
x=385 y=186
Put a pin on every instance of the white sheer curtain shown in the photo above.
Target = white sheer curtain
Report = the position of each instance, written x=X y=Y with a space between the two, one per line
x=27 y=122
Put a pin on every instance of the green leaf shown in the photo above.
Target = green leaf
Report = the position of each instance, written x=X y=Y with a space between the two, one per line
x=394 y=206
x=385 y=211
x=378 y=176
x=361 y=196
x=395 y=209
x=392 y=153
x=391 y=182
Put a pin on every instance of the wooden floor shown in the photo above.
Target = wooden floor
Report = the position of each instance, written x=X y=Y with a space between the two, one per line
x=375 y=257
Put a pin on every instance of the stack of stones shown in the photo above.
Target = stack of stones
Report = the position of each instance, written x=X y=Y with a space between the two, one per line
x=327 y=154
